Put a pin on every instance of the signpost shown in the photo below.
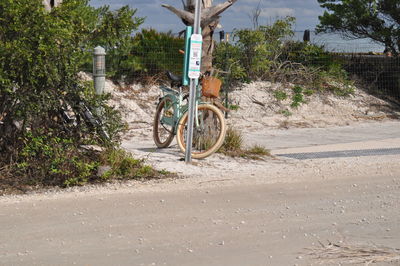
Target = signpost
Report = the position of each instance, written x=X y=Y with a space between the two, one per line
x=196 y=42
x=194 y=74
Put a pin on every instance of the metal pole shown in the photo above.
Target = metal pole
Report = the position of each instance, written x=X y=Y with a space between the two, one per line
x=192 y=93
x=227 y=83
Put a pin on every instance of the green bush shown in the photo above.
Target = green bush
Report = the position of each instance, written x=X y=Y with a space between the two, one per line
x=233 y=146
x=46 y=159
x=41 y=54
x=280 y=95
x=254 y=52
x=255 y=55
x=297 y=97
x=267 y=53
x=146 y=54
x=158 y=52
x=228 y=57
x=307 y=54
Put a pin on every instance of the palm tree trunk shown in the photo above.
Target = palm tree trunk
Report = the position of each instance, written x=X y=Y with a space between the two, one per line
x=209 y=21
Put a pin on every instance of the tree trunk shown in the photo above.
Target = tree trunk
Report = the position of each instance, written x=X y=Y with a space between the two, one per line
x=209 y=21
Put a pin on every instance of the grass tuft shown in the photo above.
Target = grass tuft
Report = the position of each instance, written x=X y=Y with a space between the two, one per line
x=233 y=146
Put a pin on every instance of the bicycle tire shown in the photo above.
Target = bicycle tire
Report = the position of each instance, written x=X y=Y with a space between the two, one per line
x=164 y=108
x=94 y=122
x=208 y=137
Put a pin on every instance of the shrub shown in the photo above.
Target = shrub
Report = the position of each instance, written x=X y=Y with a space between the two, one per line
x=254 y=52
x=124 y=166
x=233 y=140
x=297 y=97
x=280 y=95
x=228 y=57
x=146 y=54
x=41 y=54
x=267 y=53
x=159 y=51
x=233 y=146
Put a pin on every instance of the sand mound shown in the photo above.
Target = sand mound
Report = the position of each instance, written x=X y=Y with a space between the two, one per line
x=258 y=107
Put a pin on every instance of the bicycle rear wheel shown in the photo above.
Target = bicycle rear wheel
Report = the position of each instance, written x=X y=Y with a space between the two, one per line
x=94 y=122
x=208 y=135
x=163 y=132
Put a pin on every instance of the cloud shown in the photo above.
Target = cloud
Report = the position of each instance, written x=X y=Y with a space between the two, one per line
x=237 y=16
x=277 y=12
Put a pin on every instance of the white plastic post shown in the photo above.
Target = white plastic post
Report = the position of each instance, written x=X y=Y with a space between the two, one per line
x=99 y=69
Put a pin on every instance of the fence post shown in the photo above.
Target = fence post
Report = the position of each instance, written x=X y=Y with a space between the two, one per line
x=306 y=36
x=99 y=69
x=222 y=36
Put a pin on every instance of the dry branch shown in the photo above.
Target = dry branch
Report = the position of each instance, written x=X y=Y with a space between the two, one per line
x=354 y=254
x=208 y=15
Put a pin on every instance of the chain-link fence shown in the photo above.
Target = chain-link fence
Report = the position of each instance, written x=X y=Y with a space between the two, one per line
x=378 y=74
x=294 y=61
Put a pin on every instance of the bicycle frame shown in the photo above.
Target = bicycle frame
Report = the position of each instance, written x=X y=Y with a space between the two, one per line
x=171 y=118
x=178 y=108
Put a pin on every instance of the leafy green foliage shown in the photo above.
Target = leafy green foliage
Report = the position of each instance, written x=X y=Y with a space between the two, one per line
x=61 y=161
x=124 y=166
x=233 y=140
x=280 y=95
x=64 y=163
x=374 y=19
x=336 y=79
x=41 y=54
x=255 y=51
x=158 y=52
x=267 y=53
x=146 y=54
x=307 y=54
x=258 y=150
x=286 y=113
x=233 y=107
x=228 y=57
x=297 y=97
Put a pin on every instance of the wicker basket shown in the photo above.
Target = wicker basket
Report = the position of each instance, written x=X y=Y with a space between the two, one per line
x=211 y=87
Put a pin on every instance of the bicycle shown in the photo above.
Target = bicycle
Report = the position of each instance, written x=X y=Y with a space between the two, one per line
x=75 y=109
x=171 y=119
x=72 y=115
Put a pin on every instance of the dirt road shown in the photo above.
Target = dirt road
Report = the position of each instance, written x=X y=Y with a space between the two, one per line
x=247 y=225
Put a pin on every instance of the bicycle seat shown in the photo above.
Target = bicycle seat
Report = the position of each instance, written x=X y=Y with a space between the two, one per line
x=173 y=77
x=177 y=81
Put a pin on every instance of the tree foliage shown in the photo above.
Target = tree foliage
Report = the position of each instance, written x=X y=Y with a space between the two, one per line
x=268 y=53
x=145 y=55
x=254 y=52
x=41 y=54
x=378 y=20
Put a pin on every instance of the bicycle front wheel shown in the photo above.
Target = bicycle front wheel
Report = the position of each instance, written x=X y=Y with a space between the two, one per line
x=208 y=133
x=163 y=132
x=94 y=122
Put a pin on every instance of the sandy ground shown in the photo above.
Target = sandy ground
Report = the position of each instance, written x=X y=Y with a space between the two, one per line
x=259 y=110
x=273 y=224
x=334 y=127
x=323 y=119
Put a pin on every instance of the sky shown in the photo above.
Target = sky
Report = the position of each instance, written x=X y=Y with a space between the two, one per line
x=237 y=16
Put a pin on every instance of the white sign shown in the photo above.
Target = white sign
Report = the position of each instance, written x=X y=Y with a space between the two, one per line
x=196 y=42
